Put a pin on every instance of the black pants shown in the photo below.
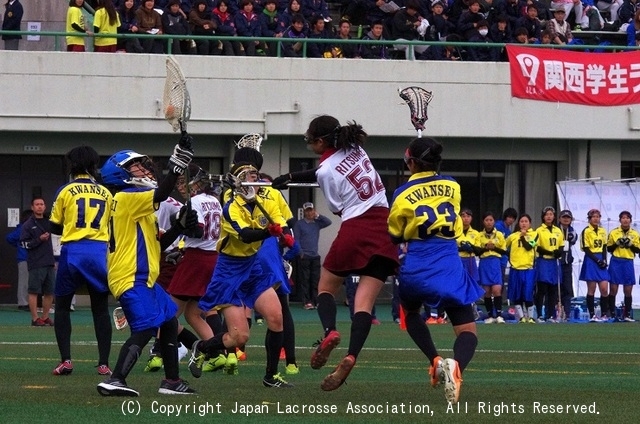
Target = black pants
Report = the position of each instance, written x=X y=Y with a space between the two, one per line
x=566 y=288
x=309 y=276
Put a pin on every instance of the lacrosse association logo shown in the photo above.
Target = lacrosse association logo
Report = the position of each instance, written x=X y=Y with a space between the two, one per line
x=529 y=65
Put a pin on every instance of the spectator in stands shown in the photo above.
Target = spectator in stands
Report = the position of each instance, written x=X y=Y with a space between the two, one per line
x=405 y=28
x=11 y=20
x=441 y=26
x=76 y=24
x=201 y=22
x=295 y=31
x=374 y=51
x=547 y=36
x=626 y=12
x=512 y=9
x=128 y=25
x=175 y=23
x=150 y=22
x=345 y=50
x=318 y=31
x=315 y=7
x=223 y=18
x=272 y=24
x=568 y=6
x=531 y=23
x=374 y=13
x=293 y=8
x=560 y=27
x=468 y=22
x=248 y=25
x=354 y=11
x=483 y=54
x=521 y=36
x=500 y=32
x=105 y=21
x=446 y=52
x=633 y=31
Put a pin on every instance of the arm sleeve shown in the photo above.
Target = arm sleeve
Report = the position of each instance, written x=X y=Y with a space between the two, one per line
x=308 y=176
x=250 y=235
x=165 y=188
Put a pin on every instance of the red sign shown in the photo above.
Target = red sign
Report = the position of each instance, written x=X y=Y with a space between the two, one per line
x=553 y=75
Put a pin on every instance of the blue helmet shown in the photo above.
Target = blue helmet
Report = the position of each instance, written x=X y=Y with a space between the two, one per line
x=115 y=172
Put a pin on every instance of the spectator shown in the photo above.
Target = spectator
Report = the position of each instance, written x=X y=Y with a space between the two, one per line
x=149 y=22
x=441 y=26
x=446 y=52
x=315 y=7
x=405 y=28
x=248 y=25
x=272 y=24
x=174 y=22
x=566 y=259
x=295 y=31
x=223 y=18
x=375 y=13
x=500 y=32
x=11 y=22
x=633 y=31
x=483 y=54
x=531 y=22
x=626 y=12
x=13 y=238
x=512 y=9
x=318 y=32
x=76 y=24
x=294 y=8
x=128 y=25
x=374 y=51
x=568 y=6
x=468 y=22
x=561 y=29
x=546 y=36
x=307 y=232
x=36 y=238
x=105 y=21
x=345 y=50
x=521 y=36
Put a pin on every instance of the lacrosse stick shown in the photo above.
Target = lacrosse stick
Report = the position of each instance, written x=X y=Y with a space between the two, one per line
x=251 y=140
x=288 y=268
x=119 y=319
x=418 y=100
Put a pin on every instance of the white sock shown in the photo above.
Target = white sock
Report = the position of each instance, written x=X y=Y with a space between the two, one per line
x=519 y=312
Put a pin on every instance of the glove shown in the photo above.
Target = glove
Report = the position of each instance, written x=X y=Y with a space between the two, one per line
x=288 y=240
x=557 y=253
x=620 y=241
x=572 y=237
x=173 y=257
x=187 y=218
x=180 y=159
x=275 y=230
x=185 y=141
x=602 y=264
x=627 y=242
x=467 y=247
x=293 y=252
x=281 y=182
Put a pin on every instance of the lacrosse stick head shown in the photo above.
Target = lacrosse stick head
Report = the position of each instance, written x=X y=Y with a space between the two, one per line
x=240 y=173
x=251 y=140
x=418 y=100
x=288 y=268
x=119 y=319
x=176 y=102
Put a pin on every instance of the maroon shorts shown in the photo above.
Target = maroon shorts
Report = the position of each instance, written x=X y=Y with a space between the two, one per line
x=105 y=49
x=359 y=241
x=194 y=273
x=167 y=269
x=75 y=48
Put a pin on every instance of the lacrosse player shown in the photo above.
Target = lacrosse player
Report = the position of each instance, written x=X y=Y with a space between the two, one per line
x=593 y=242
x=239 y=279
x=134 y=262
x=432 y=271
x=355 y=192
x=549 y=248
x=623 y=244
x=80 y=214
x=490 y=248
x=465 y=244
x=522 y=276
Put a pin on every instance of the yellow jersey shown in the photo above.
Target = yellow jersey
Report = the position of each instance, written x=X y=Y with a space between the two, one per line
x=428 y=205
x=74 y=16
x=618 y=233
x=496 y=237
x=519 y=256
x=101 y=20
x=134 y=251
x=470 y=237
x=550 y=239
x=594 y=239
x=83 y=208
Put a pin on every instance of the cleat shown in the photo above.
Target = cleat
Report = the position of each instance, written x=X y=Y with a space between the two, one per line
x=441 y=320
x=452 y=380
x=259 y=321
x=431 y=320
x=48 y=322
x=629 y=319
x=104 y=370
x=214 y=364
x=604 y=318
x=490 y=320
x=38 y=322
x=339 y=375
x=283 y=354
x=276 y=381
x=593 y=319
x=242 y=356
x=154 y=364
x=196 y=360
x=63 y=368
x=436 y=372
x=309 y=306
x=552 y=320
x=115 y=387
x=500 y=320
x=397 y=320
x=375 y=321
x=292 y=369
x=231 y=364
x=324 y=348
x=531 y=321
x=523 y=320
x=175 y=387
x=541 y=321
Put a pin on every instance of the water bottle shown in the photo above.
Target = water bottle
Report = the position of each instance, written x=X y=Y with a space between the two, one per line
x=577 y=312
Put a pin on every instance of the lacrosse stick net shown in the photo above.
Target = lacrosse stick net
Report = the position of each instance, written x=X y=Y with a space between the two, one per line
x=119 y=319
x=176 y=101
x=418 y=100
x=251 y=140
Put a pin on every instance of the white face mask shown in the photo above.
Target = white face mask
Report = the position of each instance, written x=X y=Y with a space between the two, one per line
x=483 y=32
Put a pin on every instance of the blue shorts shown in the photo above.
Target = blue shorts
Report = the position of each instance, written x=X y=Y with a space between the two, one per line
x=432 y=273
x=271 y=259
x=522 y=283
x=621 y=271
x=590 y=270
x=490 y=271
x=147 y=308
x=469 y=263
x=82 y=262
x=236 y=282
x=547 y=271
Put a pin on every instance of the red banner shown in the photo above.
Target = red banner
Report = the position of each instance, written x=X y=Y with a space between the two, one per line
x=553 y=75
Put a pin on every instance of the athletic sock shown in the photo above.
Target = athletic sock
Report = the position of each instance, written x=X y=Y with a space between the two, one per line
x=289 y=341
x=62 y=326
x=327 y=312
x=215 y=322
x=102 y=325
x=212 y=346
x=273 y=344
x=519 y=312
x=612 y=305
x=497 y=303
x=130 y=352
x=488 y=304
x=420 y=334
x=360 y=327
x=187 y=338
x=169 y=348
x=591 y=305
x=627 y=306
x=604 y=306
x=464 y=348
x=530 y=310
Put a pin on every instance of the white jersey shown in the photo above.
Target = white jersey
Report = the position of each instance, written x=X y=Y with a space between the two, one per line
x=168 y=208
x=209 y=214
x=350 y=183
